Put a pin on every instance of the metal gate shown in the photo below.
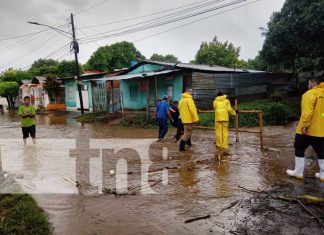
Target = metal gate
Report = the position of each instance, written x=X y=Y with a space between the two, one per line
x=99 y=94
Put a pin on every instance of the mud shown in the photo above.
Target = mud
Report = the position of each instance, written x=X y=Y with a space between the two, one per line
x=199 y=184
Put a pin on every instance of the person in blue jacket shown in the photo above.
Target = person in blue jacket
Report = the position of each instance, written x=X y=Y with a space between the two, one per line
x=162 y=113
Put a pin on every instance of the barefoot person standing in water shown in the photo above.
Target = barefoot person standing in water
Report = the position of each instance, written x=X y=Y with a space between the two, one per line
x=27 y=113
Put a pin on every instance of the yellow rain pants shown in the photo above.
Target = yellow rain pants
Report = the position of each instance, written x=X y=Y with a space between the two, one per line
x=221 y=130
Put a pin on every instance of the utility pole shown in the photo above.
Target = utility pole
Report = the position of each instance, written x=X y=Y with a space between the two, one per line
x=76 y=51
x=77 y=69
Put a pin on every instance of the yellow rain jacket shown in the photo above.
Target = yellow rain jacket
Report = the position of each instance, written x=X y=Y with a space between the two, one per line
x=222 y=106
x=187 y=109
x=312 y=112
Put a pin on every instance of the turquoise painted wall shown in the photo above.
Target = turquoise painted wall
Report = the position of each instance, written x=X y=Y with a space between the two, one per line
x=71 y=102
x=139 y=100
x=134 y=99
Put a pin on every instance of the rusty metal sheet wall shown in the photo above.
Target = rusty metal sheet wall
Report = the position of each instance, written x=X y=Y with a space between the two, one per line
x=206 y=86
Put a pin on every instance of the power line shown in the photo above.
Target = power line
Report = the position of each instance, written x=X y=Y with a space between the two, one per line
x=92 y=6
x=28 y=34
x=51 y=54
x=38 y=46
x=63 y=55
x=85 y=33
x=25 y=40
x=58 y=51
x=31 y=38
x=165 y=21
x=154 y=25
x=88 y=37
x=143 y=16
x=13 y=45
x=169 y=16
x=192 y=22
x=24 y=35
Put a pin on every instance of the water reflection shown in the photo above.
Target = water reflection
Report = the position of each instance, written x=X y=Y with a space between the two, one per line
x=222 y=177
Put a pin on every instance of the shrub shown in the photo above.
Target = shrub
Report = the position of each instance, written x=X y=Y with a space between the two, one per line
x=276 y=96
x=276 y=114
x=140 y=120
x=207 y=119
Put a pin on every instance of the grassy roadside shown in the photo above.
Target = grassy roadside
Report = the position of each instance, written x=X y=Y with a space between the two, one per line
x=19 y=214
x=102 y=117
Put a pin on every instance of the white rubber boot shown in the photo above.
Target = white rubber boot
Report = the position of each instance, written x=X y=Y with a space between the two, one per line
x=320 y=175
x=299 y=168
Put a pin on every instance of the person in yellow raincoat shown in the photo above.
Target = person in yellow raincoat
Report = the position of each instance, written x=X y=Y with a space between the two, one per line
x=310 y=129
x=188 y=115
x=222 y=107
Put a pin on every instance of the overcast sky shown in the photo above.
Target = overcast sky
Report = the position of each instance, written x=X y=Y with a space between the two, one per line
x=92 y=17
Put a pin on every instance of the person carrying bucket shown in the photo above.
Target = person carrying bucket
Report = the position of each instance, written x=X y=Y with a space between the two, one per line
x=222 y=107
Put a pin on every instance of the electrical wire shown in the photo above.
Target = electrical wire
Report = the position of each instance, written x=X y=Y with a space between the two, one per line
x=78 y=29
x=143 y=16
x=25 y=40
x=59 y=50
x=29 y=51
x=32 y=50
x=168 y=16
x=90 y=7
x=154 y=25
x=23 y=35
x=31 y=38
x=192 y=22
x=28 y=34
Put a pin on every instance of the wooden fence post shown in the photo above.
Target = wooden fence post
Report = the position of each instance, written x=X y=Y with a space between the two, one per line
x=236 y=123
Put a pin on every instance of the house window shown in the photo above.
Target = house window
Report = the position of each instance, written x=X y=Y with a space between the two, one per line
x=169 y=90
x=133 y=94
x=71 y=92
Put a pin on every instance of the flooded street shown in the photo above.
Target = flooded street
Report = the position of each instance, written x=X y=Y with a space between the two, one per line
x=198 y=182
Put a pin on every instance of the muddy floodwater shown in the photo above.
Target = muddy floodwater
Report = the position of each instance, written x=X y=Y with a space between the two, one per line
x=198 y=182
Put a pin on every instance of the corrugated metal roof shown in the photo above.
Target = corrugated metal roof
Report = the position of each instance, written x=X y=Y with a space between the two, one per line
x=200 y=67
x=138 y=75
x=40 y=78
x=211 y=68
x=26 y=82
x=91 y=75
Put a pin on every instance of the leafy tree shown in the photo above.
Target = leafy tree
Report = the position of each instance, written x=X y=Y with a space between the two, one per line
x=257 y=63
x=218 y=53
x=51 y=87
x=167 y=58
x=67 y=69
x=12 y=75
x=116 y=56
x=157 y=57
x=42 y=67
x=294 y=37
x=10 y=91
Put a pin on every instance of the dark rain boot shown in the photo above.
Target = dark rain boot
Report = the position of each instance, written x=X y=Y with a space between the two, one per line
x=182 y=145
x=189 y=142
